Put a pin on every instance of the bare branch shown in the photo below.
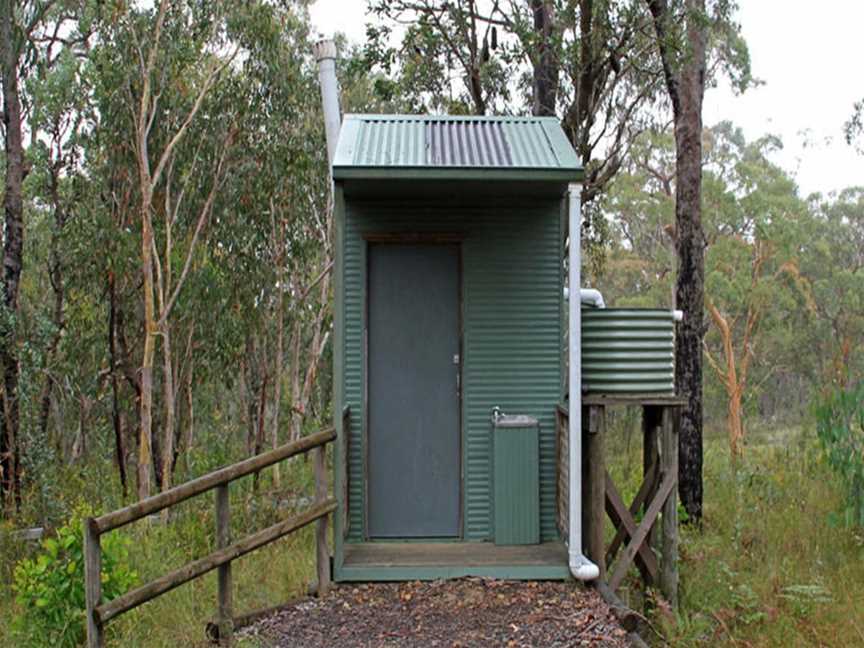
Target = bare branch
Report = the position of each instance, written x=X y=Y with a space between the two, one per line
x=209 y=82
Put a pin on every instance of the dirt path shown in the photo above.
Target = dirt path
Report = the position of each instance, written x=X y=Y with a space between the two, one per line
x=464 y=613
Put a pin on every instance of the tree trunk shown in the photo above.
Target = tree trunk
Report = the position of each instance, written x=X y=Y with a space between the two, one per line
x=55 y=275
x=145 y=455
x=585 y=89
x=278 y=358
x=544 y=60
x=296 y=406
x=685 y=82
x=116 y=420
x=190 y=411
x=690 y=284
x=169 y=408
x=734 y=422
x=13 y=205
x=253 y=391
x=319 y=341
x=733 y=382
x=259 y=427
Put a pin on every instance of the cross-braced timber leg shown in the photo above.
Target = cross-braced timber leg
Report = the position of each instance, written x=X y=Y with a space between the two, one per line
x=652 y=418
x=623 y=519
x=641 y=533
x=669 y=465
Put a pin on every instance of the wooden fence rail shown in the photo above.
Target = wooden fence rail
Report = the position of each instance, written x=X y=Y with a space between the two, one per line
x=98 y=613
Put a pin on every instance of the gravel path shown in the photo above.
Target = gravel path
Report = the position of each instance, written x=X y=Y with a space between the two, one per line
x=463 y=613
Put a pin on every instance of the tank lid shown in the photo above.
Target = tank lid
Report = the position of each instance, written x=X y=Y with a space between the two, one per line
x=516 y=421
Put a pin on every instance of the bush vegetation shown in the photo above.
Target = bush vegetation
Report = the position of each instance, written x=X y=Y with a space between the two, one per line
x=49 y=589
x=228 y=314
x=773 y=564
x=148 y=549
x=840 y=425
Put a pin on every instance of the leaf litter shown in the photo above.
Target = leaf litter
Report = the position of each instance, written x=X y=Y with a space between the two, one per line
x=459 y=613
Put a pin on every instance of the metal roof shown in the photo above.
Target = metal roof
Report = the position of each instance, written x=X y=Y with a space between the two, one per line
x=424 y=146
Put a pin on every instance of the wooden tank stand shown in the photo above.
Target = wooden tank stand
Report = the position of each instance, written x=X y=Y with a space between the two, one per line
x=637 y=543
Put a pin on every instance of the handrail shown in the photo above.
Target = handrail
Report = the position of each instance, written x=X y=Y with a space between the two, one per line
x=156 y=503
x=198 y=568
x=98 y=613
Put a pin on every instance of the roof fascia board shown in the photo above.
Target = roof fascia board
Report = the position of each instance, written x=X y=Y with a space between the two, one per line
x=458 y=173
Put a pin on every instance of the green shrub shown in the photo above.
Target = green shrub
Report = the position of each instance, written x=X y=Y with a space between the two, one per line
x=49 y=589
x=840 y=426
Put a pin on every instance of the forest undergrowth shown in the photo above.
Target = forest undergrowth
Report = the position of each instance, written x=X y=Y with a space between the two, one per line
x=773 y=564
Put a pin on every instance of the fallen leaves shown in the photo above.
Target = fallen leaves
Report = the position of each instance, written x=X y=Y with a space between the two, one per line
x=461 y=613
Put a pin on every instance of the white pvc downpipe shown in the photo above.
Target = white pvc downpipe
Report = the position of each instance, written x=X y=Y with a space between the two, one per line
x=325 y=54
x=581 y=568
x=591 y=296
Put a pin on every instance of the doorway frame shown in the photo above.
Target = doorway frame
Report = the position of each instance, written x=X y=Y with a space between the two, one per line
x=415 y=238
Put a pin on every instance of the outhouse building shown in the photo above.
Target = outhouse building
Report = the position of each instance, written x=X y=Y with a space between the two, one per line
x=450 y=345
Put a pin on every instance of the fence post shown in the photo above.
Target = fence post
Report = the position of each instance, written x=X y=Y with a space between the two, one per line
x=651 y=423
x=594 y=480
x=669 y=465
x=323 y=553
x=223 y=539
x=93 y=583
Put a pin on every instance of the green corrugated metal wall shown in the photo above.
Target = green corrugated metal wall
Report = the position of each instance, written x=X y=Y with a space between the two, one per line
x=512 y=291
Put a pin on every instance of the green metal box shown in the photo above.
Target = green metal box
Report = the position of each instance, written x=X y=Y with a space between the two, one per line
x=516 y=476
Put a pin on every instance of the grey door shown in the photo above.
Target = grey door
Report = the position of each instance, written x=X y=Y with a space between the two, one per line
x=413 y=401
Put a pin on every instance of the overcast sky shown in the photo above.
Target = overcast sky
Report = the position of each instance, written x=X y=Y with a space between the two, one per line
x=808 y=54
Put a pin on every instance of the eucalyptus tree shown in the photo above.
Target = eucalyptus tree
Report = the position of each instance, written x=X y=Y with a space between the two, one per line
x=754 y=284
x=210 y=129
x=34 y=34
x=692 y=37
x=834 y=265
x=589 y=62
x=758 y=292
x=164 y=65
x=854 y=128
x=282 y=182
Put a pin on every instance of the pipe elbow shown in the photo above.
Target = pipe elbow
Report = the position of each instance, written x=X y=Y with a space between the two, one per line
x=583 y=569
x=592 y=296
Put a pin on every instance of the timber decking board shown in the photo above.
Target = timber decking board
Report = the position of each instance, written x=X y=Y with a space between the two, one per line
x=446 y=554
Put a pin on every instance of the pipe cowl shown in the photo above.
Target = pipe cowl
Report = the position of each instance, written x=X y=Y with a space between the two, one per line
x=324 y=49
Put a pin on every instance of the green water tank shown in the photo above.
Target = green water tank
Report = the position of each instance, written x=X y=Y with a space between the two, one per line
x=516 y=477
x=628 y=351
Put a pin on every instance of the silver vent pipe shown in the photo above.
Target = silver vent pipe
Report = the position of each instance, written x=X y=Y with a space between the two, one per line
x=325 y=54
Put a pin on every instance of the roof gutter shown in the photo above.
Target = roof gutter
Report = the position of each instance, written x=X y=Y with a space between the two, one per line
x=509 y=174
x=581 y=568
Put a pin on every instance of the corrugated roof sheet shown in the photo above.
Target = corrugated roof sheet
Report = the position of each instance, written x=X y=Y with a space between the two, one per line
x=443 y=142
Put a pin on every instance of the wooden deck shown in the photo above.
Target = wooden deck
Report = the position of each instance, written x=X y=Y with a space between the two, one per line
x=382 y=561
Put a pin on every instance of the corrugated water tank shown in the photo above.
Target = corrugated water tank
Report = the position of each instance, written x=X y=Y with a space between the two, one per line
x=628 y=351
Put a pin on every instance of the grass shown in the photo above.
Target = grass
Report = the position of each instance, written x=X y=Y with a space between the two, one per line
x=269 y=576
x=771 y=566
